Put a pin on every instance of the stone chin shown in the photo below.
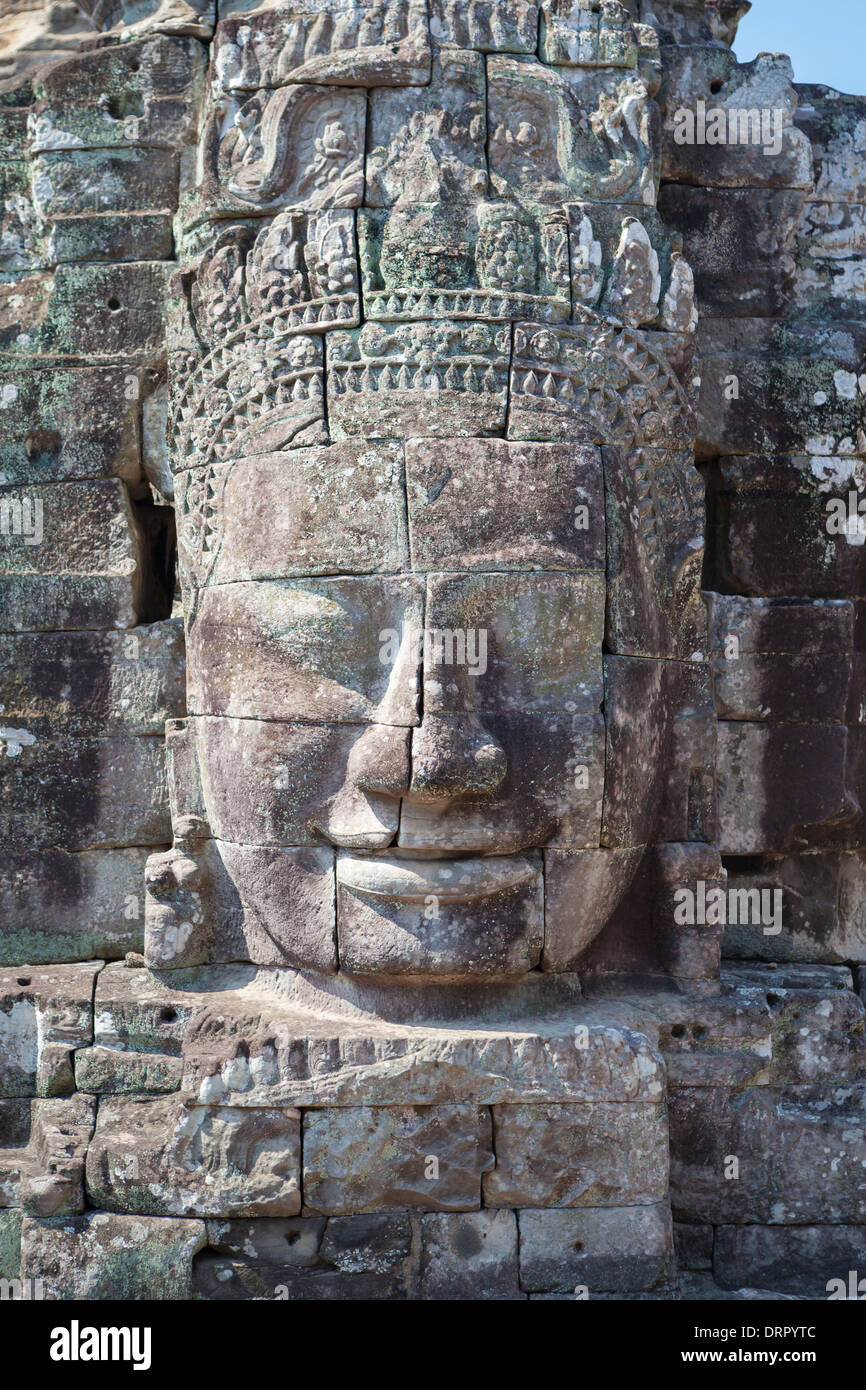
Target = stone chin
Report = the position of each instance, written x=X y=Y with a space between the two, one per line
x=475 y=917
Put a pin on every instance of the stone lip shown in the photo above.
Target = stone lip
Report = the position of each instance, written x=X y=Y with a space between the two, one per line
x=450 y=880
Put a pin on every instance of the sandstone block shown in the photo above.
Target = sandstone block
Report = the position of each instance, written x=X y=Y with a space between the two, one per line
x=326 y=511
x=138 y=1030
x=660 y=752
x=96 y=682
x=605 y=1249
x=833 y=123
x=43 y=1154
x=531 y=642
x=785 y=497
x=100 y=1256
x=822 y=912
x=782 y=660
x=740 y=245
x=85 y=312
x=777 y=157
x=491 y=27
x=500 y=505
x=797 y=1153
x=239 y=1053
x=581 y=891
x=108 y=1071
x=152 y=66
x=387 y=381
x=362 y=43
x=308 y=1258
x=292 y=649
x=578 y=1156
x=22 y=246
x=588 y=383
x=165 y=1158
x=547 y=775
x=111 y=180
x=804 y=764
x=113 y=237
x=232 y=183
x=43 y=441
x=58 y=906
x=46 y=1013
x=769 y=388
x=807 y=1261
x=559 y=108
x=471 y=1255
x=376 y=1158
x=70 y=556
x=458 y=85
x=262 y=903
x=83 y=793
x=830 y=259
x=277 y=783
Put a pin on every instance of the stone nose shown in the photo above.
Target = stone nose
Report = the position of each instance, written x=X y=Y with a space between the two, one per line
x=454 y=755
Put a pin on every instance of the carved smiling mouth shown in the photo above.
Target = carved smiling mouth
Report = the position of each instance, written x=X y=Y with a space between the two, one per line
x=449 y=880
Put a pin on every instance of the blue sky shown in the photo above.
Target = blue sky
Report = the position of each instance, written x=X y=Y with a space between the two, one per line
x=826 y=39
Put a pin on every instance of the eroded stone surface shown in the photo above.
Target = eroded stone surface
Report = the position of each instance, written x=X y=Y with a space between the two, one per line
x=310 y=1258
x=576 y=1156
x=44 y=1149
x=563 y=1248
x=254 y=1052
x=99 y=1256
x=473 y=1255
x=168 y=1159
x=59 y=906
x=809 y=1261
x=762 y=1128
x=45 y=1014
x=375 y=1159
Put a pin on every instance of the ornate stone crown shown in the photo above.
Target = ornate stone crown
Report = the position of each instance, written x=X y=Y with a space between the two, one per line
x=396 y=233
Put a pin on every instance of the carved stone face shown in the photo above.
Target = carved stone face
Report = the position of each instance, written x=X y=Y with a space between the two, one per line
x=439 y=529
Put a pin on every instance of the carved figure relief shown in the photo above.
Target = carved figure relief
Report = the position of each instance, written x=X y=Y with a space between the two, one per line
x=452 y=421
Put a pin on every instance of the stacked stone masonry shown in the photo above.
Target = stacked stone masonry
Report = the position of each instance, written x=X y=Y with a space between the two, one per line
x=416 y=583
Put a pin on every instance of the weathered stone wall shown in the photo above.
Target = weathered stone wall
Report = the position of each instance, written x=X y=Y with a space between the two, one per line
x=775 y=242
x=215 y=1132
x=777 y=250
x=93 y=659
